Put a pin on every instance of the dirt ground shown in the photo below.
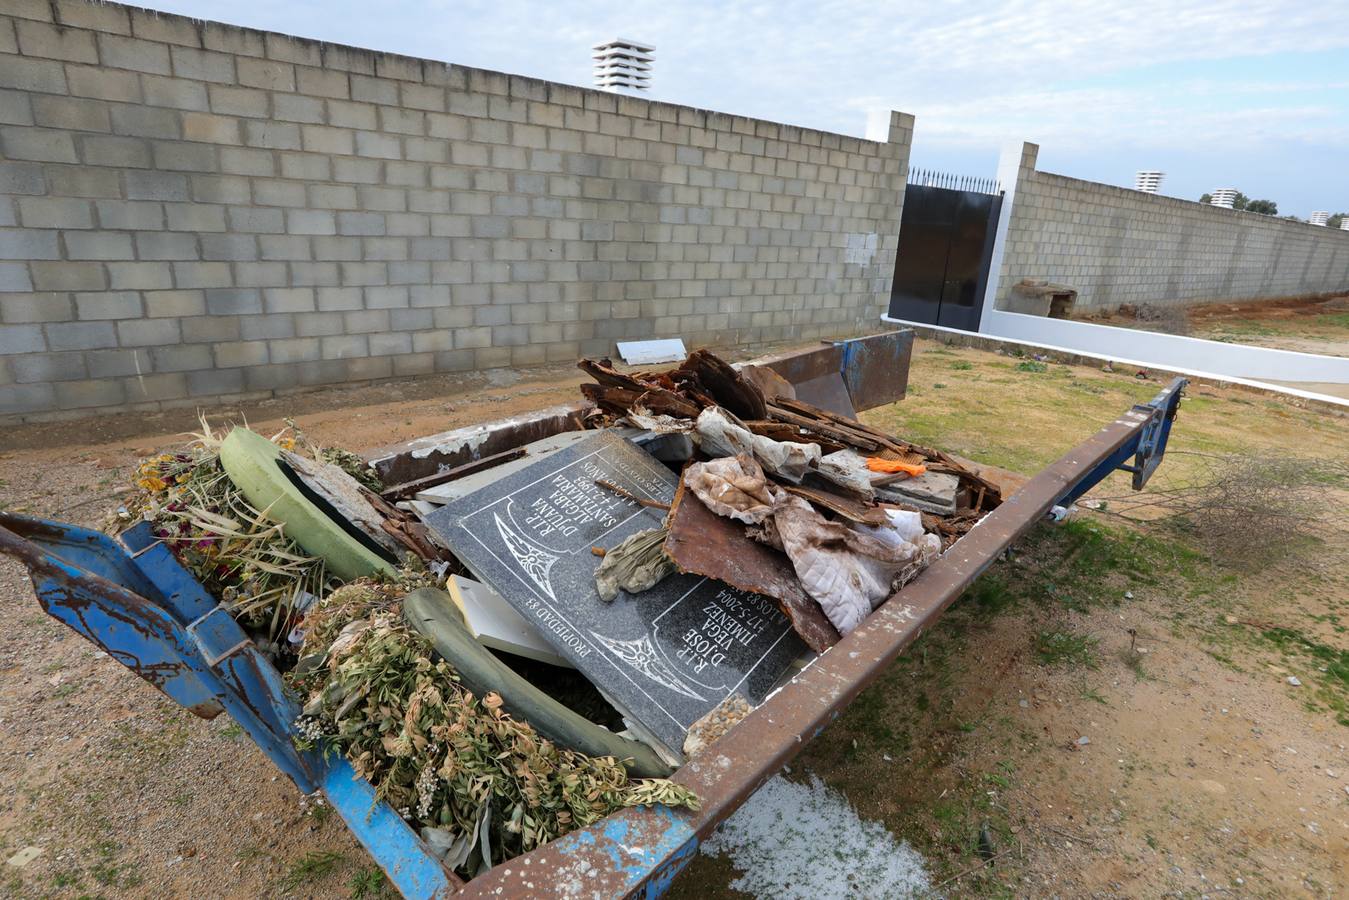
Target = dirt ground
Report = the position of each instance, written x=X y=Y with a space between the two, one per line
x=1204 y=772
x=1304 y=324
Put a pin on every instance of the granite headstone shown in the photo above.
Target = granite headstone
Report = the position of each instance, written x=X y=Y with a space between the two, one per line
x=664 y=657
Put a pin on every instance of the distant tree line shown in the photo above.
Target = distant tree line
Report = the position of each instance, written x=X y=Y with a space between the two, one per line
x=1263 y=207
x=1335 y=220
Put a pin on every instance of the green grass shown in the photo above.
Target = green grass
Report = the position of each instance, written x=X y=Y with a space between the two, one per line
x=1063 y=649
x=1031 y=365
x=313 y=867
x=1329 y=666
x=369 y=883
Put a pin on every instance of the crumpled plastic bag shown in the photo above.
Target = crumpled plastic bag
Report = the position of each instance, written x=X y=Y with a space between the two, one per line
x=733 y=486
x=847 y=571
x=719 y=434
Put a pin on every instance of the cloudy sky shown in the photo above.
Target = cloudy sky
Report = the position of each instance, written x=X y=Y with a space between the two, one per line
x=1251 y=94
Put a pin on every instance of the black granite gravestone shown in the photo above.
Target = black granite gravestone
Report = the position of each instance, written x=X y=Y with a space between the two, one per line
x=665 y=657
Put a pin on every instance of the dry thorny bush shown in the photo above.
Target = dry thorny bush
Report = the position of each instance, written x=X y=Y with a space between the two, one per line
x=1247 y=510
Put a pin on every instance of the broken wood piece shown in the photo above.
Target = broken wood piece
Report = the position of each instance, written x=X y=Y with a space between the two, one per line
x=703 y=543
x=629 y=495
x=852 y=510
x=728 y=387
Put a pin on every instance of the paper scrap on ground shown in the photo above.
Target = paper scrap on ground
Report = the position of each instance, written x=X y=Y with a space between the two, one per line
x=805 y=841
x=647 y=353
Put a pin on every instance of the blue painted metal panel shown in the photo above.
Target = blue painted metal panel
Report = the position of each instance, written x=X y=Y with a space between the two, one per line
x=403 y=855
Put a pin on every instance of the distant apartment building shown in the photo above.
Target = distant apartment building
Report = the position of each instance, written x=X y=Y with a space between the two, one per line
x=1320 y=217
x=1149 y=182
x=1224 y=197
x=623 y=65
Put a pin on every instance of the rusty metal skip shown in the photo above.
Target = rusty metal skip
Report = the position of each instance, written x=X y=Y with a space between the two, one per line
x=132 y=598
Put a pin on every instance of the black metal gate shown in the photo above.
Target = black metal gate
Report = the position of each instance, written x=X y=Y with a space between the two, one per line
x=945 y=245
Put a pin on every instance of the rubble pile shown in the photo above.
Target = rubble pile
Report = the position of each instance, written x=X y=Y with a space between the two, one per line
x=515 y=646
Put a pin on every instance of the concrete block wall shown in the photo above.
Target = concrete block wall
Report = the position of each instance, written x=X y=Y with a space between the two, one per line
x=1116 y=246
x=192 y=212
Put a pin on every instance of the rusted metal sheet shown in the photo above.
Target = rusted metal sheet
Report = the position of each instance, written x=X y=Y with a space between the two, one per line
x=876 y=368
x=429 y=455
x=608 y=859
x=704 y=543
x=408 y=489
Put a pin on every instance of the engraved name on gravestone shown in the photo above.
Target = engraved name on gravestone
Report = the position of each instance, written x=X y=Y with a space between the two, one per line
x=666 y=656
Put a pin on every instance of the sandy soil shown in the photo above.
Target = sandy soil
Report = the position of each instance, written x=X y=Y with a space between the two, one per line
x=1198 y=773
x=1303 y=324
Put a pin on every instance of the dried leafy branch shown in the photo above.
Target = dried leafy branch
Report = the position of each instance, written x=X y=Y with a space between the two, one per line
x=444 y=759
x=1245 y=508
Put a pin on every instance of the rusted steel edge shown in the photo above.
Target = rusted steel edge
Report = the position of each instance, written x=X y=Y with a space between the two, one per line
x=642 y=849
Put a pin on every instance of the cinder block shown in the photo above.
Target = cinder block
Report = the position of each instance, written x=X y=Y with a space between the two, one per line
x=21 y=178
x=233 y=247
x=366 y=321
x=53 y=42
x=390 y=343
x=80 y=335
x=203 y=65
x=293 y=50
x=24 y=398
x=306 y=166
x=112 y=305
x=161 y=386
x=330 y=196
x=278 y=193
x=210 y=329
x=360 y=223
x=21 y=142
x=72 y=113
x=237 y=101
x=21 y=339
x=177 y=93
x=305 y=221
x=319 y=324
x=167 y=304
x=41 y=75
x=102 y=392
x=323 y=82
x=215 y=382
x=374 y=90
x=325 y=139
x=297 y=108
x=146 y=121
x=381 y=146
x=119 y=152
x=97 y=245
x=14 y=278
x=293 y=350
x=55 y=212
x=339 y=298
x=229 y=189
x=43 y=367
x=140 y=276
x=288 y=300
x=256 y=219
x=29 y=244
x=181 y=157
x=165 y=245
x=259 y=274
x=209 y=128
x=28 y=309
x=102 y=83
x=346 y=114
x=269 y=134
x=243 y=353
x=68 y=276
x=233 y=301
x=195 y=217
x=343 y=347
x=271 y=75
x=84 y=181
x=267 y=327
